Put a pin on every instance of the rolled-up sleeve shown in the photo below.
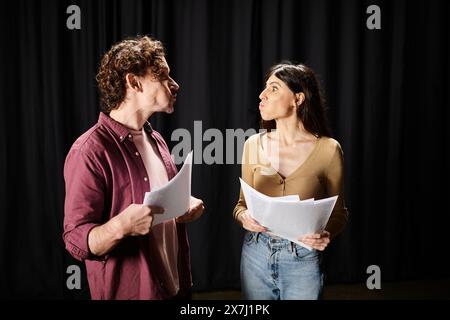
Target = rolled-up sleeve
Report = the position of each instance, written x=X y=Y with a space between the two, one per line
x=84 y=201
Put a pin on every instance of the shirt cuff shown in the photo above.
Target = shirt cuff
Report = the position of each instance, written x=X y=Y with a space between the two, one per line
x=77 y=242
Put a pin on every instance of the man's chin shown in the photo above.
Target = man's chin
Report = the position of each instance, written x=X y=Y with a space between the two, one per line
x=170 y=110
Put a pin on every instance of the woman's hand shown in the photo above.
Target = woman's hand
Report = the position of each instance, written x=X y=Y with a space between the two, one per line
x=195 y=211
x=318 y=241
x=249 y=223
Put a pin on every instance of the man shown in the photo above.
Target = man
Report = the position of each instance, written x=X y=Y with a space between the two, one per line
x=108 y=170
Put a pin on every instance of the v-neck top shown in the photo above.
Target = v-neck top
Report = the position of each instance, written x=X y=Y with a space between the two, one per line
x=299 y=167
x=318 y=177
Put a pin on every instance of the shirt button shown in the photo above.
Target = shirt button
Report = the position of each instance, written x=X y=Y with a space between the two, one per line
x=281 y=181
x=129 y=136
x=121 y=137
x=137 y=154
x=145 y=179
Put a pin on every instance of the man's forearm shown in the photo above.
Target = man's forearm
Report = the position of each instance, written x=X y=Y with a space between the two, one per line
x=102 y=239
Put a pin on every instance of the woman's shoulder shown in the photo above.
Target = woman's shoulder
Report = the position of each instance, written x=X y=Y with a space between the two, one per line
x=253 y=139
x=330 y=146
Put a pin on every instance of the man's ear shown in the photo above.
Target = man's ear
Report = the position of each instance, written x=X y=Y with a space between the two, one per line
x=133 y=82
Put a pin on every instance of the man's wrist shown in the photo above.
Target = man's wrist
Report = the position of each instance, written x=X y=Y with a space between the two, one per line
x=116 y=228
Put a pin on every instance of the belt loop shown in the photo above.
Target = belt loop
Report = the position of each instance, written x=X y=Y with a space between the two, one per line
x=257 y=236
x=294 y=252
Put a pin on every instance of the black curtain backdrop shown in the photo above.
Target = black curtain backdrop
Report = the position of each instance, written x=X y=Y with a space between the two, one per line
x=388 y=98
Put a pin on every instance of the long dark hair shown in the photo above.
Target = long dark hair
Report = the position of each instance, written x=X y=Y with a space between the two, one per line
x=300 y=78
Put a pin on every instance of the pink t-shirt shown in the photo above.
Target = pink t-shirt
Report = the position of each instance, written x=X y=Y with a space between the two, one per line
x=166 y=251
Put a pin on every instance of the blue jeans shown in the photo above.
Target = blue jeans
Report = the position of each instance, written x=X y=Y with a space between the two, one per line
x=275 y=268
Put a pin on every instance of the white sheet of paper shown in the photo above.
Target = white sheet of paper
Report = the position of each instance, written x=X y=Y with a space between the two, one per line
x=288 y=198
x=287 y=218
x=174 y=197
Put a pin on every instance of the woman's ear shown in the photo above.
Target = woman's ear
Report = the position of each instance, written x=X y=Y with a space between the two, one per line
x=299 y=98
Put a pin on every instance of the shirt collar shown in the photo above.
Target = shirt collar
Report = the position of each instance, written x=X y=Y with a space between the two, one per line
x=120 y=130
x=148 y=127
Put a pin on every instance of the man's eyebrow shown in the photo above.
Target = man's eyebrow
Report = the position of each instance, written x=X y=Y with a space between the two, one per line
x=165 y=69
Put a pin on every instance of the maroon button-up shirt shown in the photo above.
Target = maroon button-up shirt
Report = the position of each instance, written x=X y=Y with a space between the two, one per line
x=103 y=175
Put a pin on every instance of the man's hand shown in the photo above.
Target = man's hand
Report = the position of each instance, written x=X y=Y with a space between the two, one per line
x=249 y=223
x=318 y=241
x=136 y=220
x=195 y=211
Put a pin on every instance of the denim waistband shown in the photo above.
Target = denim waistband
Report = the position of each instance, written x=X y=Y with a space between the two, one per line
x=274 y=240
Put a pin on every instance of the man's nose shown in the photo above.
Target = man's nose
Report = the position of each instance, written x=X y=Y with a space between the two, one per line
x=173 y=85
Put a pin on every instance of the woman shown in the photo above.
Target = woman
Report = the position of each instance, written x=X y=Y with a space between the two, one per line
x=298 y=158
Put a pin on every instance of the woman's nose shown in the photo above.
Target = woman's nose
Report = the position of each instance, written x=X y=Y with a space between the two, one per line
x=262 y=95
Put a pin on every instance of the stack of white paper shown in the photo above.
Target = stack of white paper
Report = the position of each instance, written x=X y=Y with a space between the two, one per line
x=288 y=217
x=174 y=197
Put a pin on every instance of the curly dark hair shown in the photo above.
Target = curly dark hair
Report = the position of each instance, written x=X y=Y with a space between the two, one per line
x=134 y=55
x=300 y=78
